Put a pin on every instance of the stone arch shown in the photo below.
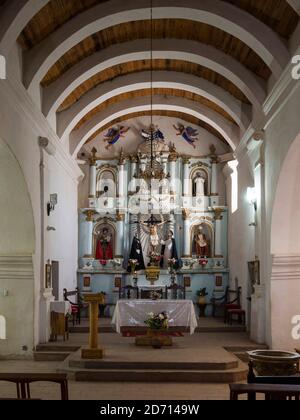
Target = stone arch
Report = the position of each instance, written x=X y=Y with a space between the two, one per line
x=16 y=213
x=228 y=130
x=17 y=246
x=285 y=252
x=190 y=51
x=2 y=328
x=68 y=119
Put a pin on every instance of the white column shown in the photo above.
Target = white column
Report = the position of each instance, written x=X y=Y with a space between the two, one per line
x=172 y=164
x=218 y=232
x=93 y=176
x=214 y=178
x=172 y=223
x=88 y=234
x=186 y=234
x=120 y=236
x=186 y=176
x=132 y=173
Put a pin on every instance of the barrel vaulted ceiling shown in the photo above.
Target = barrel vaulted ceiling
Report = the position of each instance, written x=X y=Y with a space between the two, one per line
x=87 y=62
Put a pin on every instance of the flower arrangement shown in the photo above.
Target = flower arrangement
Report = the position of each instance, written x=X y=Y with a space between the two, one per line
x=203 y=262
x=172 y=263
x=133 y=264
x=157 y=321
x=103 y=262
x=155 y=295
x=155 y=258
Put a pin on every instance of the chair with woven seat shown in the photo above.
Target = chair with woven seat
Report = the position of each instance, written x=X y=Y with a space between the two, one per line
x=77 y=306
x=227 y=302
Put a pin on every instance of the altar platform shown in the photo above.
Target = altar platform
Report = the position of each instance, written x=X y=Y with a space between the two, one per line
x=200 y=358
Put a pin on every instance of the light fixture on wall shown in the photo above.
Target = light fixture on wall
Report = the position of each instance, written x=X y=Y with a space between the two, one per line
x=252 y=200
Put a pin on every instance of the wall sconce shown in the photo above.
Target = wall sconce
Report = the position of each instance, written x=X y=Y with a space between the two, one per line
x=52 y=203
x=252 y=199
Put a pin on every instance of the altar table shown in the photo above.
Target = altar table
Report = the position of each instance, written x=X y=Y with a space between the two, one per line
x=133 y=313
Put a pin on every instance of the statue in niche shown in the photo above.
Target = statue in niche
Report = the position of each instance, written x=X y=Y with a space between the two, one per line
x=201 y=243
x=189 y=134
x=114 y=135
x=169 y=251
x=136 y=253
x=104 y=250
x=200 y=185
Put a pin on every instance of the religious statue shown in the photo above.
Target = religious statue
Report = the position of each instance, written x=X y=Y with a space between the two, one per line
x=104 y=249
x=189 y=134
x=200 y=183
x=136 y=253
x=201 y=242
x=154 y=240
x=114 y=134
x=169 y=251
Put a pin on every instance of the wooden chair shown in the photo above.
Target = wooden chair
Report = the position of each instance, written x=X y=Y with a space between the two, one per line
x=77 y=306
x=128 y=292
x=23 y=381
x=226 y=302
x=175 y=288
x=270 y=391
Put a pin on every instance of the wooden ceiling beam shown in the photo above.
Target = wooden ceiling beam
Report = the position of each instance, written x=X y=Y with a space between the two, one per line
x=232 y=109
x=185 y=50
x=258 y=36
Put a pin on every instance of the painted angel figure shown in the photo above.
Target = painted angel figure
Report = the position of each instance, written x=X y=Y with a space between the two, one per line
x=114 y=134
x=188 y=133
x=155 y=132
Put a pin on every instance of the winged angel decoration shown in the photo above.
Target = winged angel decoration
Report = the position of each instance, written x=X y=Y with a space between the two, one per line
x=114 y=134
x=188 y=133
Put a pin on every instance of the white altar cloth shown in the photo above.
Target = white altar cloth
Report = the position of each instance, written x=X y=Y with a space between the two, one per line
x=133 y=313
x=63 y=307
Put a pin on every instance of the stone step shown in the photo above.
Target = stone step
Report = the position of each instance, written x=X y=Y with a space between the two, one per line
x=143 y=366
x=154 y=375
x=56 y=348
x=109 y=329
x=50 y=356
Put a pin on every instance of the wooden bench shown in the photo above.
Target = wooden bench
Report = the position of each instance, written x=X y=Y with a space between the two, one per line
x=23 y=381
x=270 y=391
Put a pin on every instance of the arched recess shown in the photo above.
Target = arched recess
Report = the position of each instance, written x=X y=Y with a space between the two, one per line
x=17 y=246
x=285 y=250
x=16 y=214
x=229 y=131
x=68 y=119
x=258 y=36
x=2 y=328
x=190 y=51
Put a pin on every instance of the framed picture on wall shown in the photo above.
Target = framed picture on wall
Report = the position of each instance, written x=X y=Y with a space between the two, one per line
x=254 y=273
x=48 y=276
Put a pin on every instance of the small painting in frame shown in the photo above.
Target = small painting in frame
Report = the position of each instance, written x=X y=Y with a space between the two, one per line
x=254 y=273
x=48 y=276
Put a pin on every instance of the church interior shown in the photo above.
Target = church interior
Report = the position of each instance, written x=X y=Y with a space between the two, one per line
x=150 y=231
